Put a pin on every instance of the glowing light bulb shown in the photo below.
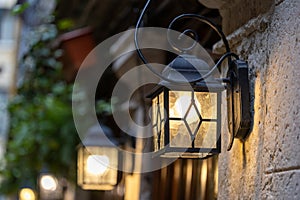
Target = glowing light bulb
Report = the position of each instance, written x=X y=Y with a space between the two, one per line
x=48 y=182
x=27 y=194
x=181 y=106
x=97 y=164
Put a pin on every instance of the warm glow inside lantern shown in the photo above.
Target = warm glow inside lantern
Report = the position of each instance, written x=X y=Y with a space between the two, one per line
x=98 y=161
x=49 y=187
x=186 y=118
x=27 y=194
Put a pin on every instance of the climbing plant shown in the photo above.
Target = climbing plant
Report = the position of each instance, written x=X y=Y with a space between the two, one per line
x=42 y=133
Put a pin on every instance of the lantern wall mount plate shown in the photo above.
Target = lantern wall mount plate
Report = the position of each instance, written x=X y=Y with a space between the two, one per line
x=186 y=104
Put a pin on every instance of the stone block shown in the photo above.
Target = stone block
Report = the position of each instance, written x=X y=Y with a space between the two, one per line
x=282 y=185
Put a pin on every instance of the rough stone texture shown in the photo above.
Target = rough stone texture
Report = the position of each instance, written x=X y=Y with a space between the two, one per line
x=267 y=164
x=213 y=4
x=281 y=186
x=243 y=10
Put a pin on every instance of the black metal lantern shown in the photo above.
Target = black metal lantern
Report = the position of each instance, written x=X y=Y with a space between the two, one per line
x=98 y=161
x=186 y=104
x=186 y=117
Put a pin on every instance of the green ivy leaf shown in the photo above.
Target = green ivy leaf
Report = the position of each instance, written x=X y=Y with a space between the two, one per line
x=20 y=8
x=65 y=24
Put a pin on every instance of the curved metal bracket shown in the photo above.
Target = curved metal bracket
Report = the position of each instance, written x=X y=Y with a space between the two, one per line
x=200 y=18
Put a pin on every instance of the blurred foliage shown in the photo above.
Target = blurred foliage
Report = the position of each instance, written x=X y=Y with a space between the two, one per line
x=20 y=8
x=42 y=132
x=65 y=24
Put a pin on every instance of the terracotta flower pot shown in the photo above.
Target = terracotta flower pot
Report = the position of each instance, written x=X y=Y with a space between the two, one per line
x=76 y=45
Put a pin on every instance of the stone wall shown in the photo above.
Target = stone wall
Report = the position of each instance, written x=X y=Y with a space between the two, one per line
x=267 y=164
x=235 y=13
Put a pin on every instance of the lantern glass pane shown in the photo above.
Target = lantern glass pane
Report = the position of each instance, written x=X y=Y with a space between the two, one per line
x=158 y=120
x=179 y=104
x=179 y=136
x=193 y=115
x=208 y=102
x=184 y=118
x=207 y=135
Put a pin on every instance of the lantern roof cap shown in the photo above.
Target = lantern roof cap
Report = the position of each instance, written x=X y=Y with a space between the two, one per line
x=186 y=67
x=99 y=135
x=186 y=62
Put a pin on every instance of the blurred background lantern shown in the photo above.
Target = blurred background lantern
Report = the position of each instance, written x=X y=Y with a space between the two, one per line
x=27 y=194
x=50 y=187
x=98 y=160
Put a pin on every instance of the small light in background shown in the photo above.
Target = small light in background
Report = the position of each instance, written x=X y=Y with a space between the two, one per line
x=48 y=182
x=27 y=194
x=50 y=187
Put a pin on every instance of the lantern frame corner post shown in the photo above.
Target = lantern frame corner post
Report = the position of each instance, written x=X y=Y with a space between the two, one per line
x=167 y=115
x=219 y=121
x=80 y=168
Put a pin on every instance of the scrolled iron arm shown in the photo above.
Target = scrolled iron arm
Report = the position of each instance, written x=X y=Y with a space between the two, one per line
x=200 y=18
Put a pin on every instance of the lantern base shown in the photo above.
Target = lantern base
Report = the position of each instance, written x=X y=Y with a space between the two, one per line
x=97 y=187
x=169 y=152
x=187 y=155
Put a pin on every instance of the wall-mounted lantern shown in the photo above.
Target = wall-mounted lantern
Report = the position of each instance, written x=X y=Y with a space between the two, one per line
x=98 y=160
x=186 y=120
x=186 y=109
x=27 y=194
x=50 y=187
